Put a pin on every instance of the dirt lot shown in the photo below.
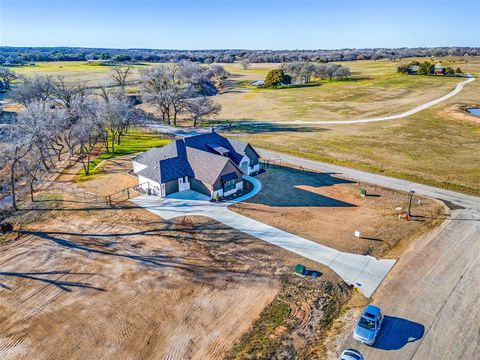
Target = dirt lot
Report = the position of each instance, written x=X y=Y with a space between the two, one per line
x=118 y=284
x=328 y=209
x=122 y=283
x=112 y=178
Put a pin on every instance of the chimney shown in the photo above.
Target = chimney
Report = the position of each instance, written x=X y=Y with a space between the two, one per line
x=213 y=129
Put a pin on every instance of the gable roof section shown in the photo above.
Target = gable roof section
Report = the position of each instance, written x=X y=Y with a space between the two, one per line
x=151 y=172
x=166 y=163
x=206 y=166
x=241 y=146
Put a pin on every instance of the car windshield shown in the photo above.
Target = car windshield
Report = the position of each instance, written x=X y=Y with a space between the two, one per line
x=352 y=355
x=367 y=324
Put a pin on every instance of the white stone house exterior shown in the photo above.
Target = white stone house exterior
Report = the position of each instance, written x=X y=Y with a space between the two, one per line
x=208 y=163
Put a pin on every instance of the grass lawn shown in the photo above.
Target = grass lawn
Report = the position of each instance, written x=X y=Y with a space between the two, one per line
x=425 y=148
x=374 y=89
x=438 y=146
x=92 y=74
x=133 y=142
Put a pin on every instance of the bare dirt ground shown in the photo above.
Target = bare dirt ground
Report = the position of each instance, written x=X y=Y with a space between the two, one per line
x=328 y=209
x=81 y=280
x=112 y=178
x=118 y=284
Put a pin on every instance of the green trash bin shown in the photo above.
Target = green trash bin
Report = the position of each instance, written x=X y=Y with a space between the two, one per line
x=363 y=192
x=300 y=269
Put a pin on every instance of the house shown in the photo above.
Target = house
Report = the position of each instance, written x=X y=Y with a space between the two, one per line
x=258 y=83
x=413 y=69
x=208 y=163
x=439 y=70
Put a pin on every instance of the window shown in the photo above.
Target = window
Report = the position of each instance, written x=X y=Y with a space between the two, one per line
x=229 y=185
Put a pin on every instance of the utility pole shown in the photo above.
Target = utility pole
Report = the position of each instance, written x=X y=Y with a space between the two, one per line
x=411 y=192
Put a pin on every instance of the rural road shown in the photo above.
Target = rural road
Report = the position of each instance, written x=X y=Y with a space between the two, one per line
x=363 y=272
x=430 y=297
x=455 y=91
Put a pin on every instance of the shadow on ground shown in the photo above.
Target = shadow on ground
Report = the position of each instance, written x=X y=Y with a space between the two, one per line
x=112 y=245
x=285 y=187
x=398 y=332
x=246 y=126
x=46 y=278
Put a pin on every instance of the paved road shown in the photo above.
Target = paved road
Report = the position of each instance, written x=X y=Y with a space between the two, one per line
x=455 y=91
x=363 y=272
x=431 y=296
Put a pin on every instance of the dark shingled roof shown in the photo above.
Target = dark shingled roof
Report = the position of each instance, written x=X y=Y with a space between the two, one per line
x=206 y=167
x=229 y=176
x=205 y=141
x=194 y=156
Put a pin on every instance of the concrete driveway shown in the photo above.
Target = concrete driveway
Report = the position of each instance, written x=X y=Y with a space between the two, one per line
x=363 y=272
x=430 y=298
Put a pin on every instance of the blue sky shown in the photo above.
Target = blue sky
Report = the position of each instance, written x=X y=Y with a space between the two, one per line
x=246 y=24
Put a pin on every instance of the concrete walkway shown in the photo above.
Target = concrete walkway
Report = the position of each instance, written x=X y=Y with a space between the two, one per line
x=363 y=272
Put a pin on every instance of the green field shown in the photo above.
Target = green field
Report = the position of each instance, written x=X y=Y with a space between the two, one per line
x=374 y=89
x=438 y=146
x=92 y=74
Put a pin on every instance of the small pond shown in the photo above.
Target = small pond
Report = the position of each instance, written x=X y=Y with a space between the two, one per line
x=474 y=111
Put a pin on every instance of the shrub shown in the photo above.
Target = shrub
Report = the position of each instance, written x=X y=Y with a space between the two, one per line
x=276 y=77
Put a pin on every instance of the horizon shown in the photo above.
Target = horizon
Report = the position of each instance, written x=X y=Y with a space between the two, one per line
x=233 y=49
x=236 y=25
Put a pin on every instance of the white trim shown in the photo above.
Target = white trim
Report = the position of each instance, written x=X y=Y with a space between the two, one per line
x=183 y=184
x=137 y=167
x=239 y=185
x=152 y=187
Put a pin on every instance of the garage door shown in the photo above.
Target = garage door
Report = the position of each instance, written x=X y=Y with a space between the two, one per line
x=171 y=187
x=198 y=186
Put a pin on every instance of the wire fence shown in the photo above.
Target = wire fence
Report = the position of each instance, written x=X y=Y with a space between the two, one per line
x=127 y=193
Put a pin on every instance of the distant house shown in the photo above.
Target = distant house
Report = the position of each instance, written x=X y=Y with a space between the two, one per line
x=413 y=69
x=209 y=164
x=258 y=83
x=439 y=70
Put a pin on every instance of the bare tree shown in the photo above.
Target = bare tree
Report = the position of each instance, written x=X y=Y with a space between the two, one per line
x=88 y=131
x=201 y=107
x=120 y=74
x=32 y=169
x=36 y=89
x=218 y=74
x=115 y=115
x=64 y=93
x=168 y=87
x=6 y=77
x=342 y=72
x=245 y=64
x=17 y=140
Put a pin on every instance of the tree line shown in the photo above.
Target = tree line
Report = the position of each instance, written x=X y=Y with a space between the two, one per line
x=67 y=118
x=427 y=68
x=22 y=55
x=304 y=73
x=183 y=89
